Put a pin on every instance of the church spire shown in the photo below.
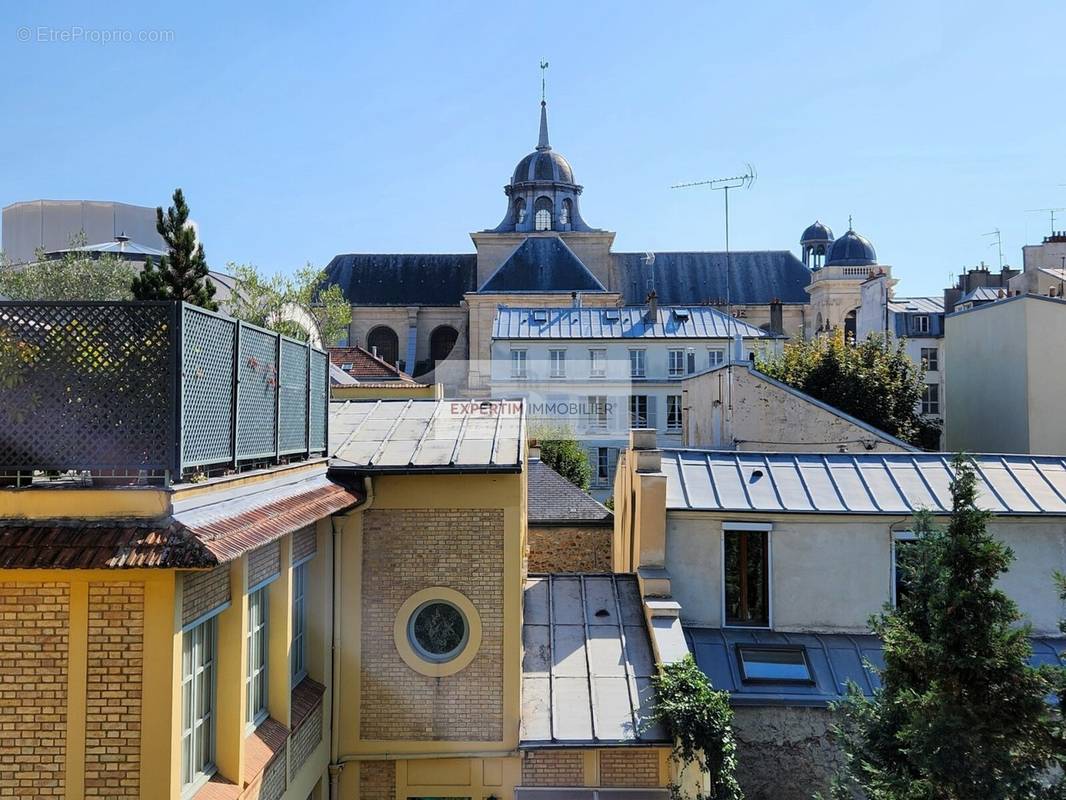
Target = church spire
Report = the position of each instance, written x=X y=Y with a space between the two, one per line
x=542 y=143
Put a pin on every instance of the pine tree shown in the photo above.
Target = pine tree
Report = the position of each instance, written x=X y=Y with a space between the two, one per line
x=182 y=273
x=961 y=714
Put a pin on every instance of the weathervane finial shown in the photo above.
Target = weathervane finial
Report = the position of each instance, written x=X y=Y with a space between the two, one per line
x=850 y=227
x=543 y=81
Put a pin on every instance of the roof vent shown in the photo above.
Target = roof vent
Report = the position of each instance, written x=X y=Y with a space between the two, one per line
x=603 y=612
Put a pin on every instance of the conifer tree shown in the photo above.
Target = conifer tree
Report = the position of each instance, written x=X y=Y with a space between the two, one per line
x=961 y=714
x=182 y=273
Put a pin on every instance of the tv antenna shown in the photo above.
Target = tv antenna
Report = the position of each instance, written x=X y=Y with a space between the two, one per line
x=1051 y=211
x=744 y=181
x=998 y=244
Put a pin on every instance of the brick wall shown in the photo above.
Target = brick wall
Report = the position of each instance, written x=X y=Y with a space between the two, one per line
x=34 y=621
x=304 y=543
x=377 y=780
x=113 y=693
x=203 y=591
x=574 y=549
x=274 y=779
x=553 y=768
x=405 y=551
x=305 y=739
x=264 y=563
x=630 y=767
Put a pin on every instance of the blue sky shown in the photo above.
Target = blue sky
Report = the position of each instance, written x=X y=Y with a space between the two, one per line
x=299 y=132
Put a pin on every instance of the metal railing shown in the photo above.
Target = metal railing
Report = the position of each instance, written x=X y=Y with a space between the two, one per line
x=155 y=391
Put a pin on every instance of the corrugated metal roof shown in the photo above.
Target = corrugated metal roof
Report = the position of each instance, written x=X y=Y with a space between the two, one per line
x=755 y=277
x=857 y=483
x=587 y=663
x=403 y=279
x=542 y=263
x=552 y=499
x=674 y=322
x=916 y=305
x=427 y=436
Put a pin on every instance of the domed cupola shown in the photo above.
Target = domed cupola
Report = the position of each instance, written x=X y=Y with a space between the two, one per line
x=815 y=242
x=542 y=194
x=851 y=250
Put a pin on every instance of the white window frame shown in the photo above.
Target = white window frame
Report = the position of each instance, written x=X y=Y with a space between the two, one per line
x=676 y=398
x=557 y=362
x=897 y=536
x=715 y=356
x=542 y=220
x=599 y=415
x=756 y=527
x=931 y=364
x=256 y=679
x=299 y=622
x=634 y=411
x=597 y=362
x=927 y=404
x=519 y=364
x=610 y=466
x=193 y=682
x=675 y=363
x=638 y=363
x=921 y=323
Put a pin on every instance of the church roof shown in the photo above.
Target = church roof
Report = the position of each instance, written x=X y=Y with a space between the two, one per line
x=755 y=277
x=403 y=279
x=540 y=264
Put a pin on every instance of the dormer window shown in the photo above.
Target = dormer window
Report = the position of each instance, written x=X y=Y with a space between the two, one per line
x=542 y=219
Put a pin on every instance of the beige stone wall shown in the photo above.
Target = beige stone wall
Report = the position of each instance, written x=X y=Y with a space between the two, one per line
x=572 y=549
x=264 y=563
x=34 y=624
x=113 y=689
x=404 y=552
x=204 y=591
x=627 y=766
x=553 y=768
x=377 y=780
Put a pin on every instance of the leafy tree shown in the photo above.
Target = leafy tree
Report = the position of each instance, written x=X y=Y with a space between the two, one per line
x=961 y=714
x=698 y=719
x=182 y=273
x=563 y=454
x=72 y=275
x=873 y=380
x=274 y=302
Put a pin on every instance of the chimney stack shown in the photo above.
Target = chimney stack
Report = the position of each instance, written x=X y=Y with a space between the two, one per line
x=777 y=316
x=652 y=314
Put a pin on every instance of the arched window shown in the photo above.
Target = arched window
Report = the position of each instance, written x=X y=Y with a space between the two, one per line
x=542 y=219
x=519 y=211
x=383 y=341
x=564 y=215
x=818 y=326
x=441 y=343
x=850 y=326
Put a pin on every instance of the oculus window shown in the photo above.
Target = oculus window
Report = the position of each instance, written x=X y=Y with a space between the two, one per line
x=438 y=631
x=747 y=578
x=765 y=664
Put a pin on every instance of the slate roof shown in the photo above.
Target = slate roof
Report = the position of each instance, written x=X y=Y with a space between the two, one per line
x=755 y=277
x=410 y=436
x=366 y=366
x=857 y=483
x=587 y=663
x=403 y=279
x=982 y=294
x=628 y=322
x=553 y=500
x=542 y=263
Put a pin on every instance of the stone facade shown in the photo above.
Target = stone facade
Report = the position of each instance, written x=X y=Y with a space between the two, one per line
x=203 y=592
x=629 y=767
x=34 y=624
x=784 y=753
x=304 y=544
x=553 y=768
x=113 y=693
x=377 y=780
x=406 y=551
x=264 y=563
x=574 y=549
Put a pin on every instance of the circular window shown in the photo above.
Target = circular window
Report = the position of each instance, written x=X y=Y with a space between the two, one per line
x=438 y=631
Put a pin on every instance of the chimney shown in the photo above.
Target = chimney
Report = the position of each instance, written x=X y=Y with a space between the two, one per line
x=575 y=300
x=777 y=316
x=652 y=314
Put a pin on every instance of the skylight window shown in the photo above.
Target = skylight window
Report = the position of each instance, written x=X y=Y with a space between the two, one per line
x=611 y=315
x=540 y=316
x=347 y=367
x=681 y=313
x=773 y=664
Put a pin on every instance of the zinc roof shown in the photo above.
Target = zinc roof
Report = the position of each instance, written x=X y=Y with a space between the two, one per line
x=628 y=322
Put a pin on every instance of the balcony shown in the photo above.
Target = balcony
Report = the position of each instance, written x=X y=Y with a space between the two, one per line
x=151 y=393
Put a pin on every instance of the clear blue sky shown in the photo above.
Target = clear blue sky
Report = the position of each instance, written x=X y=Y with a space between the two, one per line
x=299 y=132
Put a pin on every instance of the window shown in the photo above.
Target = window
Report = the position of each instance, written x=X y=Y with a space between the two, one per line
x=558 y=363
x=299 y=623
x=902 y=564
x=437 y=631
x=256 y=680
x=921 y=323
x=518 y=364
x=383 y=342
x=673 y=413
x=773 y=664
x=636 y=363
x=677 y=363
x=747 y=578
x=931 y=399
x=604 y=464
x=642 y=411
x=715 y=357
x=598 y=363
x=597 y=411
x=542 y=218
x=931 y=357
x=198 y=704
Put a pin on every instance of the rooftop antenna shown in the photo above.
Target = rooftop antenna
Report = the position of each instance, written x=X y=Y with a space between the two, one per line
x=1046 y=211
x=998 y=243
